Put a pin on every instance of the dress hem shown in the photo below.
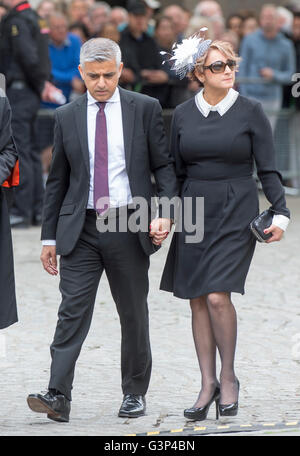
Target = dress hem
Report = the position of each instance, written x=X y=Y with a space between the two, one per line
x=198 y=295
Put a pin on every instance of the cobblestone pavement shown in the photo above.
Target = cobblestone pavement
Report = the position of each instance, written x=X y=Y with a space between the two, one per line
x=267 y=358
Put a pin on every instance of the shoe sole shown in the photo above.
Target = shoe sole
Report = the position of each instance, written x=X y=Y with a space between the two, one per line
x=195 y=417
x=233 y=413
x=130 y=415
x=37 y=405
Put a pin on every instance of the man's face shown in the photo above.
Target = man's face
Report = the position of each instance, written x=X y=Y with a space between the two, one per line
x=138 y=23
x=78 y=10
x=176 y=14
x=269 y=20
x=58 y=29
x=99 y=18
x=101 y=78
x=46 y=9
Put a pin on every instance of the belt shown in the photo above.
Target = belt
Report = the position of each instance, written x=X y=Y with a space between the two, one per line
x=112 y=212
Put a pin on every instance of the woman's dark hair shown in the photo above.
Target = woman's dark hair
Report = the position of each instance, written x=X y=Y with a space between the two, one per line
x=82 y=27
x=161 y=19
x=231 y=17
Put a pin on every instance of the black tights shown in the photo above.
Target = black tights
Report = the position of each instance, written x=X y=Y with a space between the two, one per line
x=214 y=327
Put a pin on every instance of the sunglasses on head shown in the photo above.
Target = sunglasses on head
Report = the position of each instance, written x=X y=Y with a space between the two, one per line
x=219 y=66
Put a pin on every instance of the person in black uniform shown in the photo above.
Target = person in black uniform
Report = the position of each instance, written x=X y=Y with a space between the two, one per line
x=25 y=63
x=8 y=158
x=216 y=138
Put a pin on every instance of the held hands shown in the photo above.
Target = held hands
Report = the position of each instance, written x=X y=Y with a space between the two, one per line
x=277 y=233
x=159 y=230
x=48 y=259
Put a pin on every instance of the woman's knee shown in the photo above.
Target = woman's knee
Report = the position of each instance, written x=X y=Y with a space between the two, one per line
x=218 y=301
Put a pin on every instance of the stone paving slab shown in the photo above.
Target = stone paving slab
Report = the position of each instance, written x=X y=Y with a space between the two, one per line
x=267 y=358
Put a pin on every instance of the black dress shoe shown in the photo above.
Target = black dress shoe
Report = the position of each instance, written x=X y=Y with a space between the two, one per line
x=200 y=413
x=133 y=405
x=230 y=409
x=57 y=406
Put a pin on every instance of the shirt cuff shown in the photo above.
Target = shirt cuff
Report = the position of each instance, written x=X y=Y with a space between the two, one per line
x=49 y=242
x=281 y=221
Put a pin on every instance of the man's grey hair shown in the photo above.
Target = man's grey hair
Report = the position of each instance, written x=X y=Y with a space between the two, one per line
x=105 y=6
x=100 y=50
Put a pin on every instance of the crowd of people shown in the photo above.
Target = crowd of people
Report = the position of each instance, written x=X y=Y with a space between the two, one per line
x=268 y=42
x=144 y=28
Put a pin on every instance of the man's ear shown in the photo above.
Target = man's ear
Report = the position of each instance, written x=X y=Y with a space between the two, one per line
x=81 y=72
x=121 y=68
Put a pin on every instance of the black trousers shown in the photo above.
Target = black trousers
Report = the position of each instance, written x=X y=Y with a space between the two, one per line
x=28 y=196
x=126 y=265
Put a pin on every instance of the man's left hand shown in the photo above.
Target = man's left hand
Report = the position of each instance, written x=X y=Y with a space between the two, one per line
x=159 y=230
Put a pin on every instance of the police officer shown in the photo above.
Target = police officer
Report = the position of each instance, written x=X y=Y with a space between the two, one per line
x=24 y=60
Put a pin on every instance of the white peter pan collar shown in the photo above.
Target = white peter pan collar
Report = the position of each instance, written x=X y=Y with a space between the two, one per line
x=222 y=107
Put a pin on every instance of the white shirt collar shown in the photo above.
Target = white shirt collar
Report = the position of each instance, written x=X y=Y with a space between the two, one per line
x=222 y=107
x=115 y=98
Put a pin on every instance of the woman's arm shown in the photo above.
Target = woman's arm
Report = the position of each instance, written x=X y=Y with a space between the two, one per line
x=8 y=152
x=264 y=155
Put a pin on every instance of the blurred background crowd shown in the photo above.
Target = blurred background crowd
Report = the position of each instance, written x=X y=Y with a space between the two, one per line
x=268 y=40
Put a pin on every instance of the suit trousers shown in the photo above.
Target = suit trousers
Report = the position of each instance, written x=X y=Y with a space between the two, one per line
x=126 y=265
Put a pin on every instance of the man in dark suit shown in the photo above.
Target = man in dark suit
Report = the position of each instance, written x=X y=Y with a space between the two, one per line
x=107 y=145
x=8 y=158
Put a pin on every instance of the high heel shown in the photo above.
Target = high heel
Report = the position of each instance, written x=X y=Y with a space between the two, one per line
x=230 y=409
x=200 y=413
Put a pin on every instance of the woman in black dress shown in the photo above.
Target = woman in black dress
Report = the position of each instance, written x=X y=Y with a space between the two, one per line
x=217 y=137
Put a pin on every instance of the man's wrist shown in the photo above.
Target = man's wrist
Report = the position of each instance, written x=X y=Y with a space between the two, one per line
x=48 y=242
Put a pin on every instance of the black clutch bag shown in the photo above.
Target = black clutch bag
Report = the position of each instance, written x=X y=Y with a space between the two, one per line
x=260 y=223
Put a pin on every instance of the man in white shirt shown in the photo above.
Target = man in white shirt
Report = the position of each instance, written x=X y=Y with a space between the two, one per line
x=107 y=145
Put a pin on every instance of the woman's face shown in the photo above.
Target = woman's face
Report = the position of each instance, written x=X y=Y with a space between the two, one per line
x=217 y=81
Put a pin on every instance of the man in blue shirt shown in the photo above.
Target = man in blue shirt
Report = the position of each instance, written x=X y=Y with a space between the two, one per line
x=269 y=57
x=64 y=50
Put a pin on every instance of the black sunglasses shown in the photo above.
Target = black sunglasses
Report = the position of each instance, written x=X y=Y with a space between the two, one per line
x=219 y=66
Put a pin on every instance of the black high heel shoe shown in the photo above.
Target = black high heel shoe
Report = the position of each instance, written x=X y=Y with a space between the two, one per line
x=230 y=409
x=200 y=413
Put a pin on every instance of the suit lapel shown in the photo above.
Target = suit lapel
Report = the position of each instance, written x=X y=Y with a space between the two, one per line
x=128 y=117
x=80 y=112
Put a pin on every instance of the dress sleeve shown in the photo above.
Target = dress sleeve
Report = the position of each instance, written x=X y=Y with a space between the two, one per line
x=174 y=146
x=264 y=155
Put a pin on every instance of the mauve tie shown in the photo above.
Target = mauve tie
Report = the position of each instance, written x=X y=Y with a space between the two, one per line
x=101 y=189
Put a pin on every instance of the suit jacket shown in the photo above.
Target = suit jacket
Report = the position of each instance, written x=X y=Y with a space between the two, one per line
x=67 y=188
x=8 y=157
